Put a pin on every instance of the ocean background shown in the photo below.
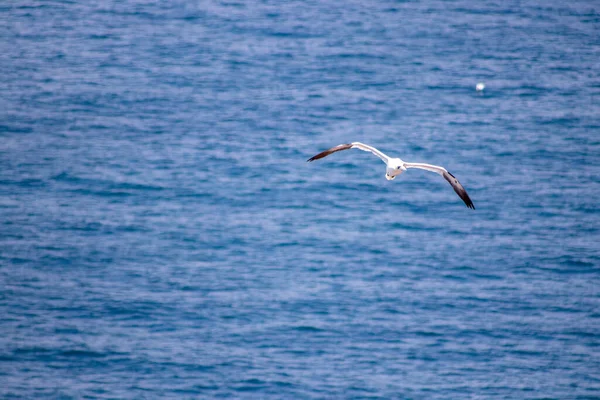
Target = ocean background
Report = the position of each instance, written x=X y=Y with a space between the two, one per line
x=162 y=236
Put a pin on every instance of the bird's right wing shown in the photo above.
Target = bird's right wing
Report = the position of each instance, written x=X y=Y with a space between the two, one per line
x=347 y=146
x=456 y=185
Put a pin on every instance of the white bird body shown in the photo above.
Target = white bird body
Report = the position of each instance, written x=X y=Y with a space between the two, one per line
x=393 y=168
x=396 y=166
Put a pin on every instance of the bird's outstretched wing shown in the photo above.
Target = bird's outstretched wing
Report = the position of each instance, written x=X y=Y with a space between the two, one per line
x=458 y=188
x=347 y=146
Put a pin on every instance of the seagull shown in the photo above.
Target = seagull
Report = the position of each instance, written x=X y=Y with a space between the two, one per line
x=395 y=166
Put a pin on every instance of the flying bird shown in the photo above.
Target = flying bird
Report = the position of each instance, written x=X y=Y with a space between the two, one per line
x=395 y=166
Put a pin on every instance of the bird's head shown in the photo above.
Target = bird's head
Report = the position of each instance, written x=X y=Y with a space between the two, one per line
x=394 y=169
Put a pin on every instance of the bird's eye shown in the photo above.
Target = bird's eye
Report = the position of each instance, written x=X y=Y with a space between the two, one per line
x=397 y=167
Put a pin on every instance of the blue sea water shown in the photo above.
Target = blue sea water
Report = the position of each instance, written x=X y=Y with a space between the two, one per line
x=162 y=235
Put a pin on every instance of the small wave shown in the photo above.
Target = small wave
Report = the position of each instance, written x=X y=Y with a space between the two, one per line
x=308 y=328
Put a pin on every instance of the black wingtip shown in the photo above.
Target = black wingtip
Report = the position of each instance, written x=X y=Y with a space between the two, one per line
x=459 y=189
x=327 y=152
x=467 y=200
x=465 y=197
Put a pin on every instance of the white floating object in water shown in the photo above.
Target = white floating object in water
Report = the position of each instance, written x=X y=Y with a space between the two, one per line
x=480 y=86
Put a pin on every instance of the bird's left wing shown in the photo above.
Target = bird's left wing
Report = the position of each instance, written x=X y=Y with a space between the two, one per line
x=347 y=146
x=458 y=188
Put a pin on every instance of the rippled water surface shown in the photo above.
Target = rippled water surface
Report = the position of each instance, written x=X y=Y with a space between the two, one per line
x=163 y=237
